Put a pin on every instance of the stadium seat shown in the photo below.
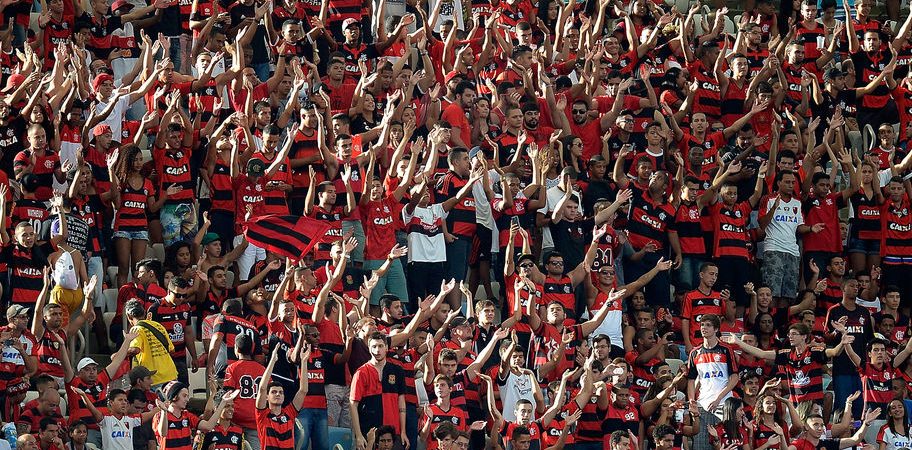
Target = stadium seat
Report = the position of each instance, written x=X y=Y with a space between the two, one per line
x=674 y=364
x=110 y=300
x=158 y=251
x=112 y=275
x=340 y=436
x=198 y=383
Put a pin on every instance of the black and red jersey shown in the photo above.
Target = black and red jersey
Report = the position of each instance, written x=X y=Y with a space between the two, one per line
x=29 y=210
x=319 y=361
x=697 y=304
x=276 y=431
x=730 y=229
x=175 y=319
x=896 y=236
x=173 y=167
x=867 y=66
x=180 y=431
x=334 y=218
x=616 y=419
x=461 y=219
x=131 y=213
x=406 y=359
x=561 y=291
x=708 y=97
x=377 y=395
x=229 y=328
x=865 y=220
x=302 y=147
x=224 y=438
x=649 y=221
x=222 y=192
x=48 y=352
x=455 y=415
x=688 y=227
x=97 y=392
x=535 y=433
x=24 y=272
x=877 y=386
x=811 y=39
x=804 y=372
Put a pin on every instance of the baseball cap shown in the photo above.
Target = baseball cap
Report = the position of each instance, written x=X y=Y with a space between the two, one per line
x=834 y=72
x=256 y=168
x=458 y=322
x=451 y=75
x=139 y=372
x=15 y=310
x=349 y=22
x=13 y=82
x=210 y=238
x=523 y=256
x=85 y=362
x=119 y=4
x=100 y=129
x=100 y=78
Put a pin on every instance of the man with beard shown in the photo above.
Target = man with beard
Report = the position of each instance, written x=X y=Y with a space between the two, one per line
x=872 y=59
x=588 y=129
x=455 y=115
x=173 y=313
x=378 y=394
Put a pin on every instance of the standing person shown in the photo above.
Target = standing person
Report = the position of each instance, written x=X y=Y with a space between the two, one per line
x=781 y=218
x=877 y=374
x=714 y=365
x=49 y=330
x=276 y=423
x=313 y=415
x=229 y=326
x=822 y=206
x=857 y=323
x=815 y=427
x=242 y=375
x=173 y=313
x=116 y=426
x=704 y=300
x=378 y=394
x=152 y=347
x=461 y=221
x=174 y=426
x=896 y=238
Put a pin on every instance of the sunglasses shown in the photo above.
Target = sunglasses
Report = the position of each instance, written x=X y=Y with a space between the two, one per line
x=579 y=111
x=179 y=295
x=527 y=266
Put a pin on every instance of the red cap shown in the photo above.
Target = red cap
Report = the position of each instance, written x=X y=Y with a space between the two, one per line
x=451 y=75
x=119 y=4
x=348 y=22
x=100 y=78
x=101 y=129
x=13 y=82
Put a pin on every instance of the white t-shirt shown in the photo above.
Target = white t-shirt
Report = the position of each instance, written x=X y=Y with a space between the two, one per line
x=118 y=434
x=425 y=233
x=115 y=120
x=894 y=441
x=780 y=233
x=11 y=355
x=516 y=387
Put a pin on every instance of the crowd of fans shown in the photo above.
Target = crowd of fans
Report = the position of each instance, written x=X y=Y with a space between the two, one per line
x=542 y=224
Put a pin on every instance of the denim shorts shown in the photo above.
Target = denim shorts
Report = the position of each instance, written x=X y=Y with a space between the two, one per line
x=869 y=247
x=132 y=235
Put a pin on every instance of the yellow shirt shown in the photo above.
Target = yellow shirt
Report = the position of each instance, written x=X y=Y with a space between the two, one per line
x=152 y=354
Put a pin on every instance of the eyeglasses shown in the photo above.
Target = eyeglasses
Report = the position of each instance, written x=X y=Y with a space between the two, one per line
x=526 y=266
x=179 y=295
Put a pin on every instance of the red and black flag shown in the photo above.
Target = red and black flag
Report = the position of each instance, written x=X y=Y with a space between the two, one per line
x=289 y=236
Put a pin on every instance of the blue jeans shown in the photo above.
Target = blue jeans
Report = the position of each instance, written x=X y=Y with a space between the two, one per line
x=314 y=429
x=393 y=282
x=686 y=277
x=843 y=387
x=458 y=258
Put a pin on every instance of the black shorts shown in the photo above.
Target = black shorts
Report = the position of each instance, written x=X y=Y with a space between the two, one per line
x=481 y=246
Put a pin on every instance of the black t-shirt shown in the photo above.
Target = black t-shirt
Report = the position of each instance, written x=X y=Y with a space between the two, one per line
x=860 y=325
x=570 y=239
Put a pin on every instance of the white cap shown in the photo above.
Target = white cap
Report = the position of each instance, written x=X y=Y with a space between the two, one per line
x=85 y=362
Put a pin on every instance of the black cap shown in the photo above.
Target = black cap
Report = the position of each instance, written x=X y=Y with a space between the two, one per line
x=834 y=72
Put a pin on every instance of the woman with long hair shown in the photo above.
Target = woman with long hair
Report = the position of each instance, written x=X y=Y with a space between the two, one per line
x=681 y=415
x=132 y=195
x=894 y=435
x=734 y=429
x=769 y=430
x=864 y=226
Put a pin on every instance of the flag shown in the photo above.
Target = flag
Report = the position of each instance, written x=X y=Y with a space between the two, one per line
x=289 y=236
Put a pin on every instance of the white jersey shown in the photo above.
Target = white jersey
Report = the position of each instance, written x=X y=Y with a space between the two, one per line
x=894 y=441
x=424 y=228
x=781 y=231
x=514 y=388
x=118 y=434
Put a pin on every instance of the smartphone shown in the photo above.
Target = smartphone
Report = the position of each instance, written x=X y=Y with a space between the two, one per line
x=8 y=343
x=515 y=220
